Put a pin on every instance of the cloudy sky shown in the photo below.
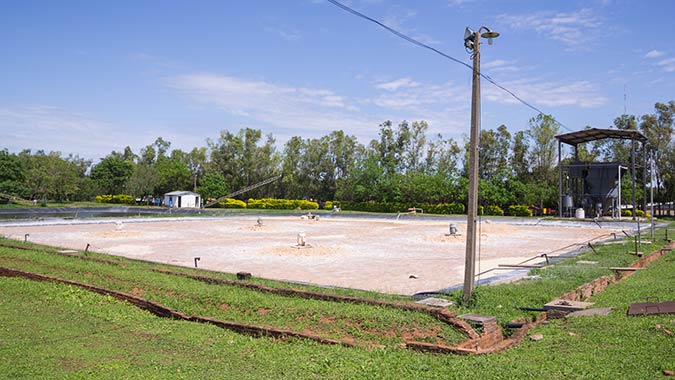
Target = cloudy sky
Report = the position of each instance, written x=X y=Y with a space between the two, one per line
x=89 y=77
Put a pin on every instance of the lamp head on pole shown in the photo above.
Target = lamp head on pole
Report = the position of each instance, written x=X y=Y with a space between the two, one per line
x=469 y=37
x=489 y=34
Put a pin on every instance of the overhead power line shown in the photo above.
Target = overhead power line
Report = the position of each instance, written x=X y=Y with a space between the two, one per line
x=445 y=55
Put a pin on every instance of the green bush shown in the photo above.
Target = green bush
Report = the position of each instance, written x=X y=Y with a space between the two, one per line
x=117 y=199
x=494 y=210
x=638 y=213
x=328 y=205
x=519 y=210
x=282 y=204
x=393 y=207
x=231 y=203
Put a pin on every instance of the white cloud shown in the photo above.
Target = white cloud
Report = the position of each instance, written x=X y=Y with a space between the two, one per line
x=285 y=33
x=444 y=106
x=397 y=84
x=49 y=128
x=287 y=110
x=668 y=65
x=574 y=29
x=457 y=3
x=410 y=95
x=244 y=97
x=655 y=54
x=550 y=94
x=52 y=128
x=397 y=18
x=501 y=66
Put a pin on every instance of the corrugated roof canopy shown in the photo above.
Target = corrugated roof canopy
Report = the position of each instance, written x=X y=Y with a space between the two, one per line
x=181 y=192
x=592 y=134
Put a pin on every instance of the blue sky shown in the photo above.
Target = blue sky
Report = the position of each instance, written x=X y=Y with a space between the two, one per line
x=89 y=77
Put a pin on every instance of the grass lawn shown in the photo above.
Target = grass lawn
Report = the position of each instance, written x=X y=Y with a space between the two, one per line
x=50 y=330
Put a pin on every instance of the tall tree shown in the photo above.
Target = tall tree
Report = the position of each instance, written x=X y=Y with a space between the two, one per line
x=658 y=128
x=291 y=184
x=442 y=157
x=519 y=159
x=243 y=160
x=542 y=131
x=11 y=175
x=196 y=163
x=415 y=146
x=493 y=154
x=111 y=174
x=173 y=172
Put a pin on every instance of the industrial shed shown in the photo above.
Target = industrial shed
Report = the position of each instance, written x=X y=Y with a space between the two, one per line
x=182 y=199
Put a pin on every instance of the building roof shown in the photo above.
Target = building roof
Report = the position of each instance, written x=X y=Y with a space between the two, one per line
x=178 y=192
x=592 y=134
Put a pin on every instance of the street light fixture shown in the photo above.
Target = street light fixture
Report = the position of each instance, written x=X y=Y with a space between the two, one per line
x=472 y=43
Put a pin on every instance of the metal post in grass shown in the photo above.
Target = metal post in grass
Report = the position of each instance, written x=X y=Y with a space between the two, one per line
x=651 y=190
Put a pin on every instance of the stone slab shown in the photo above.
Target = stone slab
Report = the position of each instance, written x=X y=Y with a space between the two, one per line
x=587 y=312
x=67 y=252
x=651 y=308
x=625 y=269
x=567 y=305
x=478 y=319
x=586 y=262
x=436 y=302
x=621 y=242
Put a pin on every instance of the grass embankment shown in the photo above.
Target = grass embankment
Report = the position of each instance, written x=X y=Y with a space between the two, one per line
x=57 y=331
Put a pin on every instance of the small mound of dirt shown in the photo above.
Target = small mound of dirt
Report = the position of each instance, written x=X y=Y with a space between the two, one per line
x=118 y=234
x=447 y=239
x=304 y=251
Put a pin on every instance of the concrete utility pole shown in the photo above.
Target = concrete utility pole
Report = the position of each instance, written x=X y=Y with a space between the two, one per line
x=472 y=42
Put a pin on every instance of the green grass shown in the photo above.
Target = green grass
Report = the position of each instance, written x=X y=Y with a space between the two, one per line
x=50 y=330
x=365 y=325
x=54 y=204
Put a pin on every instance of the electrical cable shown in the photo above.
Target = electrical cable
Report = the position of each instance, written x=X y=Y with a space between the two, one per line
x=423 y=45
x=397 y=33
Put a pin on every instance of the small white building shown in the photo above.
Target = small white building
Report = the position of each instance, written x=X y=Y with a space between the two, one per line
x=182 y=199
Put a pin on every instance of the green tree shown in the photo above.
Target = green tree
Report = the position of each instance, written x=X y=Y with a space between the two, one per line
x=658 y=128
x=213 y=186
x=243 y=160
x=110 y=176
x=291 y=185
x=143 y=181
x=173 y=172
x=415 y=146
x=618 y=150
x=493 y=153
x=66 y=175
x=11 y=175
x=542 y=155
x=519 y=160
x=196 y=163
x=542 y=132
x=442 y=157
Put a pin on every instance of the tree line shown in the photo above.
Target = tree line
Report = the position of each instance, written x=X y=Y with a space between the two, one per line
x=403 y=164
